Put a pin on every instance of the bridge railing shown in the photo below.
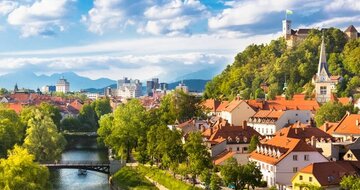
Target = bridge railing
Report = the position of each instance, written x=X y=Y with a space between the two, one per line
x=78 y=163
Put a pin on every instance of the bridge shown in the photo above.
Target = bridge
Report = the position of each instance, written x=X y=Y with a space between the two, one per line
x=98 y=166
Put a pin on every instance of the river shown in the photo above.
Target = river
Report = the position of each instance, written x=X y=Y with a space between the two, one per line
x=80 y=149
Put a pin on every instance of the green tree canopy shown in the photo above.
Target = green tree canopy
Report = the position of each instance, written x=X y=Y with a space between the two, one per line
x=331 y=112
x=350 y=182
x=241 y=175
x=19 y=171
x=101 y=107
x=42 y=138
x=198 y=156
x=253 y=143
x=12 y=131
x=88 y=118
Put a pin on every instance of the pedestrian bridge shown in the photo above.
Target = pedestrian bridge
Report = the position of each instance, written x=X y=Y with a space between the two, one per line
x=98 y=166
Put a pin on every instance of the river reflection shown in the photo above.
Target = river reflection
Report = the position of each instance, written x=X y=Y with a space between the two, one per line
x=80 y=149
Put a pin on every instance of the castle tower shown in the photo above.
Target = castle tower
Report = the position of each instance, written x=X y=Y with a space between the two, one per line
x=286 y=29
x=351 y=33
x=323 y=83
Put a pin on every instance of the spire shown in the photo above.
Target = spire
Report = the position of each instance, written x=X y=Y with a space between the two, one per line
x=322 y=59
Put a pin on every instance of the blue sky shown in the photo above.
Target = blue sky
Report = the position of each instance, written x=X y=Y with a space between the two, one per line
x=148 y=38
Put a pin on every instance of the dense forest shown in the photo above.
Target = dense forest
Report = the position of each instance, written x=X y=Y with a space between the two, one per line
x=277 y=66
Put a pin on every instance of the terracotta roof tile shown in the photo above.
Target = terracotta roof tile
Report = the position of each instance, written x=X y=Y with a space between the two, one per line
x=330 y=173
x=350 y=124
x=217 y=160
x=303 y=131
x=284 y=145
x=232 y=105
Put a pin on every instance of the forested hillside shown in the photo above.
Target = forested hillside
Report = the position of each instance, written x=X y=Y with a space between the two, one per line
x=274 y=63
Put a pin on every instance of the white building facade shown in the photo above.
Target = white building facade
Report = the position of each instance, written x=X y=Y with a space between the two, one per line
x=129 y=88
x=63 y=86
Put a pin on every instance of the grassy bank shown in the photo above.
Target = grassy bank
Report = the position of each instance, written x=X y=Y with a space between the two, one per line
x=164 y=178
x=130 y=179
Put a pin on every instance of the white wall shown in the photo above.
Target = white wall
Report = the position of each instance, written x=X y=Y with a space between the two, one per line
x=284 y=169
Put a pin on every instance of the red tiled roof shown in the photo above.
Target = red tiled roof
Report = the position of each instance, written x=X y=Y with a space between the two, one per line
x=217 y=160
x=233 y=104
x=303 y=131
x=350 y=124
x=330 y=173
x=268 y=114
x=17 y=107
x=233 y=134
x=284 y=145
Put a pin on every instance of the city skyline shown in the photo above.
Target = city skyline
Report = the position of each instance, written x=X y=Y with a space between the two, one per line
x=146 y=39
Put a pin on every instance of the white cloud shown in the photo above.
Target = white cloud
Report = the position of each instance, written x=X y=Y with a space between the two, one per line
x=249 y=12
x=43 y=17
x=343 y=5
x=333 y=22
x=155 y=17
x=7 y=6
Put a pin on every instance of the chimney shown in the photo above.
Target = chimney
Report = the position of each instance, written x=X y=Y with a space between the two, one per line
x=357 y=122
x=326 y=126
x=347 y=113
x=296 y=131
x=313 y=141
x=244 y=124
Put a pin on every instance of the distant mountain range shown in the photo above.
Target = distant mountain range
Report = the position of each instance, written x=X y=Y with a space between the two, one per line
x=26 y=79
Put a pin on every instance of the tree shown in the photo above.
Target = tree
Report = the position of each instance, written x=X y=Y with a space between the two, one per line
x=12 y=131
x=42 y=138
x=198 y=156
x=101 y=107
x=215 y=182
x=331 y=112
x=88 y=118
x=241 y=175
x=71 y=124
x=350 y=182
x=253 y=143
x=19 y=171
x=52 y=111
x=127 y=126
x=3 y=91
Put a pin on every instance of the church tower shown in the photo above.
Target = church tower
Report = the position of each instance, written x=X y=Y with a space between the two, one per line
x=324 y=85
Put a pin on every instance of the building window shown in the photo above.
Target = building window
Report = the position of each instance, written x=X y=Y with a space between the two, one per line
x=295 y=169
x=300 y=177
x=245 y=149
x=237 y=149
x=310 y=179
x=295 y=157
x=322 y=90
x=306 y=157
x=271 y=168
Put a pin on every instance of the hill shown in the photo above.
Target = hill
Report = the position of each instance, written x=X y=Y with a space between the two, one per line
x=276 y=67
x=194 y=85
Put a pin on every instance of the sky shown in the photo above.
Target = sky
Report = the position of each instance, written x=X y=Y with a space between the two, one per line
x=149 y=38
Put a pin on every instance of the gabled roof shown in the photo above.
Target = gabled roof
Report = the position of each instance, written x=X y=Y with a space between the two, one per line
x=17 y=107
x=356 y=153
x=268 y=114
x=351 y=29
x=330 y=173
x=222 y=157
x=284 y=145
x=233 y=134
x=303 y=131
x=233 y=104
x=349 y=124
x=297 y=103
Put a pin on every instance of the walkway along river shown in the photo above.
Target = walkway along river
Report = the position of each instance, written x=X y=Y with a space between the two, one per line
x=81 y=148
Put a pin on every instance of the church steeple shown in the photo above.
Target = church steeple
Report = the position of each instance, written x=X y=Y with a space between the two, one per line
x=323 y=67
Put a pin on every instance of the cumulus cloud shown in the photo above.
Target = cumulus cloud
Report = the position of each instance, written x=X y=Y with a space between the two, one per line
x=155 y=17
x=7 y=6
x=334 y=22
x=343 y=5
x=249 y=12
x=43 y=17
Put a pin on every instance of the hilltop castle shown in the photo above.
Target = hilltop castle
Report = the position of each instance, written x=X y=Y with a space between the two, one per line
x=294 y=37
